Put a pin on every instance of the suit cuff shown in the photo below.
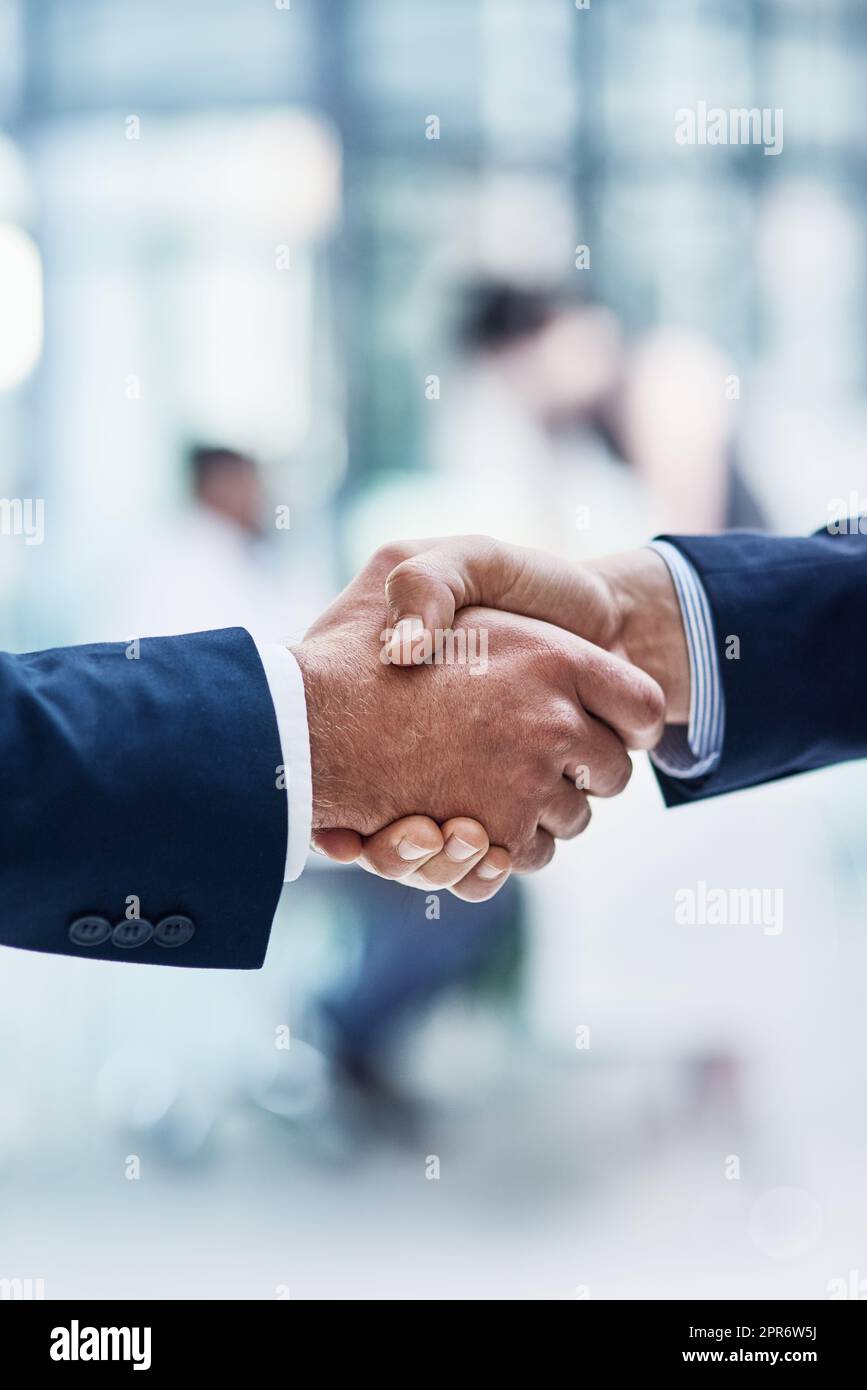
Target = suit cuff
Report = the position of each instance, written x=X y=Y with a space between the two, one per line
x=290 y=707
x=693 y=750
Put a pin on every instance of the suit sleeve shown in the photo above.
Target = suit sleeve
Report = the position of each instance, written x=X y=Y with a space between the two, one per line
x=789 y=615
x=143 y=813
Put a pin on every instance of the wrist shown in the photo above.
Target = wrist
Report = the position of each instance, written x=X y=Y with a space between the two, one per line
x=346 y=773
x=648 y=623
x=319 y=696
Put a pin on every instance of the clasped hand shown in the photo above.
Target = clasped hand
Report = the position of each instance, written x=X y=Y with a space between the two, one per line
x=452 y=774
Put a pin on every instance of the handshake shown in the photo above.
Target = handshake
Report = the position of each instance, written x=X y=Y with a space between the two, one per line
x=466 y=699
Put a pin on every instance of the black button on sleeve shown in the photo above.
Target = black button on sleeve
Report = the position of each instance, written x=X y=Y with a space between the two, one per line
x=90 y=931
x=132 y=932
x=174 y=931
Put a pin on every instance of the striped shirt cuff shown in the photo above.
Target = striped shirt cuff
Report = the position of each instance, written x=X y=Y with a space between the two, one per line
x=693 y=750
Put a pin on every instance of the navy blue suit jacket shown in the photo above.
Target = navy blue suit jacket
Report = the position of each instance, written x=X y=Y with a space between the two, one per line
x=153 y=779
x=796 y=692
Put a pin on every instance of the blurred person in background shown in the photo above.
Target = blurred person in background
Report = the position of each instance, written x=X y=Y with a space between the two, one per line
x=592 y=425
x=227 y=485
x=211 y=566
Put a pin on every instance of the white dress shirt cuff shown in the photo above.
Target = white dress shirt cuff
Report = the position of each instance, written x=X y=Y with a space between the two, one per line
x=290 y=707
x=693 y=750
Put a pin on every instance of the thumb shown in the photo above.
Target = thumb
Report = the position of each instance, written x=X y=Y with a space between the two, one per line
x=342 y=845
x=420 y=597
x=424 y=592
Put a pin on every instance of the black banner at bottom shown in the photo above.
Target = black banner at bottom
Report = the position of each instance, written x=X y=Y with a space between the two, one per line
x=159 y=1338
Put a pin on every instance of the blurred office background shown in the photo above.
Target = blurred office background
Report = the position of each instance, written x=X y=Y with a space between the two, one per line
x=430 y=269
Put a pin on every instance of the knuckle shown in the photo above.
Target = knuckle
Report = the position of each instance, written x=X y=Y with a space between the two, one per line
x=413 y=567
x=476 y=541
x=386 y=862
x=472 y=833
x=532 y=855
x=575 y=822
x=523 y=858
x=388 y=556
x=545 y=850
x=560 y=727
x=517 y=831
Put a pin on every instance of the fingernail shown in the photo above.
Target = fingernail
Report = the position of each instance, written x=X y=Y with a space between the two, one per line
x=405 y=633
x=489 y=871
x=407 y=850
x=459 y=850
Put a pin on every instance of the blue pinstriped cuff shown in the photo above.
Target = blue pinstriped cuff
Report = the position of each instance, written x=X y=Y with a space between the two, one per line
x=694 y=750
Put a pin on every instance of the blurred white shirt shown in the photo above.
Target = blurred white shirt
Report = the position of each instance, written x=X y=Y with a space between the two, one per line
x=200 y=572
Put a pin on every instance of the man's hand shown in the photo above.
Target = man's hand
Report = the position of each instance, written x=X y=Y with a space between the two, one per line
x=517 y=748
x=458 y=857
x=625 y=603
